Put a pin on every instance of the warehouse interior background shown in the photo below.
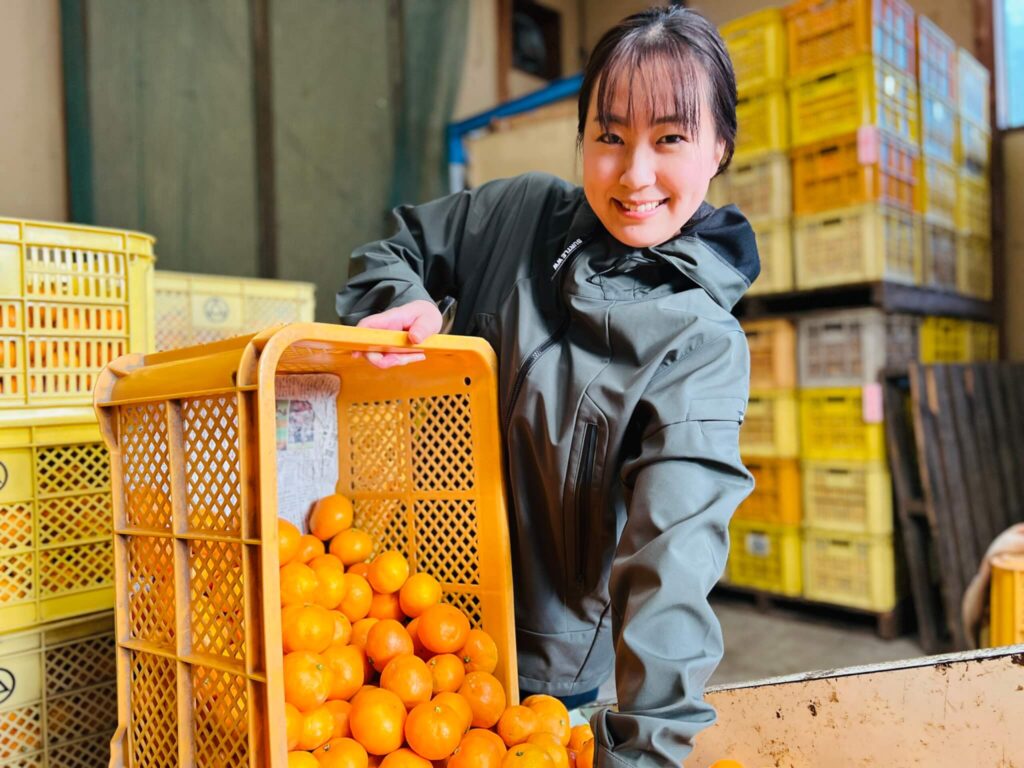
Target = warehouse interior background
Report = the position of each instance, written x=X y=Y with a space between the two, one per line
x=269 y=138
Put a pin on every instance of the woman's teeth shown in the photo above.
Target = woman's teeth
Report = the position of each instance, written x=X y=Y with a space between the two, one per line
x=641 y=208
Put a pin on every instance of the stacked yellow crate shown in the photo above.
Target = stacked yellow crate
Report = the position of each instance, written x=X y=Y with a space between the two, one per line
x=758 y=181
x=974 y=194
x=849 y=557
x=765 y=531
x=854 y=132
x=72 y=299
x=937 y=171
x=952 y=340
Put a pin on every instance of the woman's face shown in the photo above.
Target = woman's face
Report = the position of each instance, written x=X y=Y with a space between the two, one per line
x=645 y=178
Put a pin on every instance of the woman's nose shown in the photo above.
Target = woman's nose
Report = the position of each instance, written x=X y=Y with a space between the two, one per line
x=639 y=171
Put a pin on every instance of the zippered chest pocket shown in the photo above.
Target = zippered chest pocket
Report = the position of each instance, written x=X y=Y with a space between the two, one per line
x=586 y=519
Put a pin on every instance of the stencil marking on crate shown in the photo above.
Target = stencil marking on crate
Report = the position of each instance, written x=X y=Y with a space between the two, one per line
x=220 y=719
x=151 y=590
x=218 y=609
x=212 y=472
x=22 y=731
x=153 y=722
x=76 y=567
x=144 y=455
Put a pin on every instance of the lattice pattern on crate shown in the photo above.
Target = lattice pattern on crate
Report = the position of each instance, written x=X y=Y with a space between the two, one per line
x=173 y=320
x=80 y=664
x=70 y=273
x=468 y=603
x=72 y=518
x=15 y=526
x=17 y=578
x=218 y=598
x=220 y=718
x=72 y=468
x=146 y=466
x=151 y=590
x=939 y=256
x=78 y=567
x=85 y=753
x=261 y=311
x=378 y=448
x=62 y=354
x=153 y=723
x=90 y=711
x=442 y=439
x=386 y=520
x=212 y=464
x=77 y=318
x=446 y=540
x=21 y=732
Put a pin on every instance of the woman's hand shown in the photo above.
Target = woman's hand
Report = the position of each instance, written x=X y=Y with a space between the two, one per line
x=421 y=319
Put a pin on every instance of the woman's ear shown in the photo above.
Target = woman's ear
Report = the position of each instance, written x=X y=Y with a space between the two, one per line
x=719 y=153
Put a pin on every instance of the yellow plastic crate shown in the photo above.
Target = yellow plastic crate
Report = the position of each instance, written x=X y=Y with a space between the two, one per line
x=974 y=207
x=866 y=166
x=982 y=341
x=835 y=425
x=840 y=102
x=973 y=149
x=763 y=125
x=765 y=557
x=196 y=309
x=974 y=265
x=776 y=496
x=58 y=694
x=852 y=570
x=938 y=256
x=936 y=60
x=210 y=444
x=944 y=340
x=760 y=188
x=849 y=496
x=972 y=89
x=757 y=47
x=56 y=555
x=772 y=346
x=771 y=426
x=775 y=247
x=937 y=192
x=1006 y=625
x=72 y=299
x=939 y=124
x=856 y=245
x=824 y=32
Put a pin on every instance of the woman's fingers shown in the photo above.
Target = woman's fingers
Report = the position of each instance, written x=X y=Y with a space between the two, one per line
x=391 y=359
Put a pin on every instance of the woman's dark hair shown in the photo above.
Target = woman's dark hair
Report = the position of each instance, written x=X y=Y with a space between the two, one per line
x=664 y=43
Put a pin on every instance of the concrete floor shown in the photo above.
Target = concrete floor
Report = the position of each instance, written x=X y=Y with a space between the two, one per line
x=782 y=641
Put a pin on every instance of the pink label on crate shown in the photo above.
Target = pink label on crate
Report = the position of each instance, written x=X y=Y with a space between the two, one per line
x=871 y=403
x=867 y=145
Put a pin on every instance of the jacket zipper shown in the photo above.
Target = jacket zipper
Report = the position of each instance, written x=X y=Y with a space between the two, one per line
x=584 y=479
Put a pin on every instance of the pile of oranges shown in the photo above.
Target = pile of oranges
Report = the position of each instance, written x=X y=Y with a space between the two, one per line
x=379 y=671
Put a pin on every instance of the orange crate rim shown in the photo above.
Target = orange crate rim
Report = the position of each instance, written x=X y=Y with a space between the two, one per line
x=188 y=681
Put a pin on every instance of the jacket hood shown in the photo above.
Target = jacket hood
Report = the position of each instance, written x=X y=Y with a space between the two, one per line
x=716 y=249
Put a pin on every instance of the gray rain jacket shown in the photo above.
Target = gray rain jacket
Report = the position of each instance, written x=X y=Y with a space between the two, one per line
x=623 y=380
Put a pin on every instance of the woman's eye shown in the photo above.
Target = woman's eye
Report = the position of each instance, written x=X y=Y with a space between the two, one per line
x=672 y=138
x=609 y=138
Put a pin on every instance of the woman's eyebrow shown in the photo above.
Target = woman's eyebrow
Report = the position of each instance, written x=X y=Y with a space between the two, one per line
x=617 y=120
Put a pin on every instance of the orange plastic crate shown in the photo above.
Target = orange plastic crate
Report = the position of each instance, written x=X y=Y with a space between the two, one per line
x=972 y=88
x=939 y=123
x=210 y=444
x=936 y=61
x=56 y=556
x=1007 y=600
x=939 y=257
x=58 y=694
x=856 y=245
x=854 y=94
x=777 y=493
x=825 y=32
x=862 y=167
x=772 y=346
x=72 y=299
x=760 y=188
x=936 y=192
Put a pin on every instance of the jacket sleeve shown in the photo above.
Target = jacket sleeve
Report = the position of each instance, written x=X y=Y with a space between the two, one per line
x=681 y=487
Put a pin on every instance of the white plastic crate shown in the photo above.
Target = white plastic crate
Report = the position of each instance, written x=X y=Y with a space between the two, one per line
x=852 y=347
